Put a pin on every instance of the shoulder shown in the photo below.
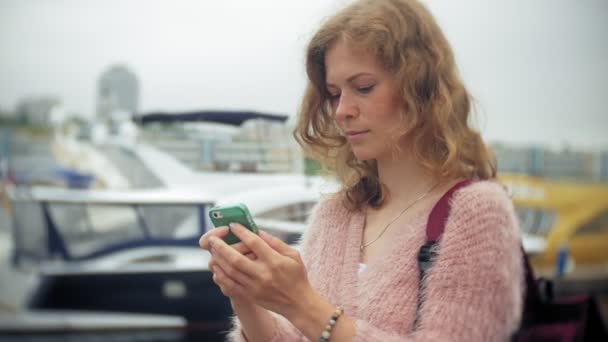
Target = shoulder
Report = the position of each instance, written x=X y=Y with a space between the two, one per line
x=483 y=207
x=480 y=196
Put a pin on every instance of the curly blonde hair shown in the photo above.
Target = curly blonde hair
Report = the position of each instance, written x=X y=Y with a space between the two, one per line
x=406 y=40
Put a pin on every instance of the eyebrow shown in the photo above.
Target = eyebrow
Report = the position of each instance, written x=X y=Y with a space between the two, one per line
x=350 y=78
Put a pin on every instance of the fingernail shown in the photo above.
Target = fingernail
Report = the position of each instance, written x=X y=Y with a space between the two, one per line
x=234 y=226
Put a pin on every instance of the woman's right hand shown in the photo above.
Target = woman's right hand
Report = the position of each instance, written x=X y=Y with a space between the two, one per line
x=255 y=320
x=216 y=269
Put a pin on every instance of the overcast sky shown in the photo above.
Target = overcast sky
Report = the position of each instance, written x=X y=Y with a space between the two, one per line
x=538 y=69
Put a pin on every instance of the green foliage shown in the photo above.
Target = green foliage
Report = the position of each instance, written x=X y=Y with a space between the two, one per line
x=311 y=167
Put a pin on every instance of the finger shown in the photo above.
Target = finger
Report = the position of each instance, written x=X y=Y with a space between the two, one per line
x=251 y=256
x=228 y=286
x=253 y=241
x=230 y=270
x=276 y=244
x=229 y=255
x=212 y=262
x=219 y=232
x=241 y=248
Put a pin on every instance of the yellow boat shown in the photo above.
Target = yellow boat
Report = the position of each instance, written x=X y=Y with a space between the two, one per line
x=567 y=215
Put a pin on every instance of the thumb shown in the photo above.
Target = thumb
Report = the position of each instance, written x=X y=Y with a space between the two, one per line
x=276 y=244
x=219 y=232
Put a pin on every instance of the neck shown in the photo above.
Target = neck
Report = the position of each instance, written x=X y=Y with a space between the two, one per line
x=404 y=178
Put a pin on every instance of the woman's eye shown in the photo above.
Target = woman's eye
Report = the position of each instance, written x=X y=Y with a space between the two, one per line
x=334 y=97
x=366 y=89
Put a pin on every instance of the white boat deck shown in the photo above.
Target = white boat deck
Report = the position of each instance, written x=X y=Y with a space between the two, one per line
x=48 y=320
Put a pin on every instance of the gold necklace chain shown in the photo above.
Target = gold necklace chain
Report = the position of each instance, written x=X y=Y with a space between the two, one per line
x=364 y=245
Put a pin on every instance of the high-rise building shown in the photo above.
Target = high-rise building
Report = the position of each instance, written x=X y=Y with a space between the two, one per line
x=117 y=92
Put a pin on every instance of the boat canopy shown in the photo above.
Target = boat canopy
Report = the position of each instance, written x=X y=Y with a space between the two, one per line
x=234 y=118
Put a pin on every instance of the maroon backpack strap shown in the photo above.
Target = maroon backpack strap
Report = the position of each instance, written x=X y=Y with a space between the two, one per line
x=533 y=296
x=440 y=212
x=434 y=229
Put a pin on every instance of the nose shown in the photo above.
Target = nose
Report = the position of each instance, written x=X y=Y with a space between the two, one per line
x=345 y=109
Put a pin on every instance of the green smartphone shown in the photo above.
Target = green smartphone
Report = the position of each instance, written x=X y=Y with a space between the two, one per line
x=235 y=213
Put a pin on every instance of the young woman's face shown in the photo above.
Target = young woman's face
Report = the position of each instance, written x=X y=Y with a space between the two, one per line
x=365 y=101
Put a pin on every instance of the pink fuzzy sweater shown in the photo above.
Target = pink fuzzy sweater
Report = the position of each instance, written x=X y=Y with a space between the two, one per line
x=473 y=291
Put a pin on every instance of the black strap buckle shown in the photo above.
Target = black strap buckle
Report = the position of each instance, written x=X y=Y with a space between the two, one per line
x=426 y=257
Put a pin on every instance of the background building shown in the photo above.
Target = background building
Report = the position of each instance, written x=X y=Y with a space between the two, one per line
x=584 y=165
x=117 y=92
x=37 y=110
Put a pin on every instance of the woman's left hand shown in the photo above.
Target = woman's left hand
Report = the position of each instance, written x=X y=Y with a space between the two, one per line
x=275 y=280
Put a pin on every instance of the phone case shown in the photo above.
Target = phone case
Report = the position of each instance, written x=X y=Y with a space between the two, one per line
x=237 y=213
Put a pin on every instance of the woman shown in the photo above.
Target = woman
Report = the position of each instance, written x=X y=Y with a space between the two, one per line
x=384 y=110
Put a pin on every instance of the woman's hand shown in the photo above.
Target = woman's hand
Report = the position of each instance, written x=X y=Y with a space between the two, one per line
x=274 y=279
x=240 y=247
x=255 y=321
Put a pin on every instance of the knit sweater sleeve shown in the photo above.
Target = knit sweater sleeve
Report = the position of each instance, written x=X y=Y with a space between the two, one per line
x=474 y=290
x=284 y=329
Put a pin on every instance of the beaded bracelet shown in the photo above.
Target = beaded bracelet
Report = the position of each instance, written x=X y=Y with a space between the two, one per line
x=326 y=334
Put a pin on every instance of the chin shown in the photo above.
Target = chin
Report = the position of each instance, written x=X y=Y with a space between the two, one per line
x=364 y=155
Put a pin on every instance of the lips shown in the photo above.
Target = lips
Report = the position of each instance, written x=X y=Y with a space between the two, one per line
x=356 y=133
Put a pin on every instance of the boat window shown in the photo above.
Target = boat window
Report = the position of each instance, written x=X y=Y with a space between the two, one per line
x=87 y=229
x=90 y=228
x=535 y=221
x=171 y=221
x=599 y=225
x=31 y=236
x=296 y=212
